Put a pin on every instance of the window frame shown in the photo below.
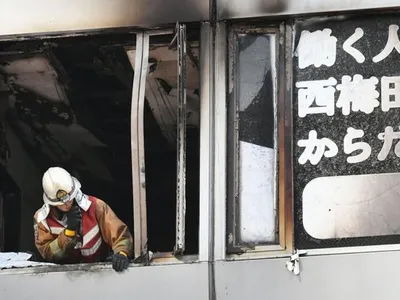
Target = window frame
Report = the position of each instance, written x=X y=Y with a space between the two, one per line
x=283 y=131
x=135 y=33
x=137 y=147
x=142 y=255
x=180 y=226
x=139 y=181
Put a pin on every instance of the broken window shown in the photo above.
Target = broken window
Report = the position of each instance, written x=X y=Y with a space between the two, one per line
x=64 y=102
x=67 y=102
x=253 y=205
x=171 y=142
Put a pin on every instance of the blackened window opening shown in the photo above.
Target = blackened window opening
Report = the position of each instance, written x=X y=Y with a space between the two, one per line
x=161 y=147
x=66 y=103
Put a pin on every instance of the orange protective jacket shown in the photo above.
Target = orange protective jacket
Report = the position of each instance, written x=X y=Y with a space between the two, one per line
x=102 y=230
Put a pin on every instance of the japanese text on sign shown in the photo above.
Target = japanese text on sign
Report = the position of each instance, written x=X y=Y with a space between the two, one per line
x=354 y=93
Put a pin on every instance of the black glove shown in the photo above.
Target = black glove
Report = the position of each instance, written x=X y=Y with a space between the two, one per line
x=120 y=262
x=74 y=218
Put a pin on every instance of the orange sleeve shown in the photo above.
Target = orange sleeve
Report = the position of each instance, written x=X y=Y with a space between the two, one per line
x=114 y=232
x=51 y=247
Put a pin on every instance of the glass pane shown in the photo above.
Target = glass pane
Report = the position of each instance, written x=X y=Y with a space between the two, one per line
x=256 y=83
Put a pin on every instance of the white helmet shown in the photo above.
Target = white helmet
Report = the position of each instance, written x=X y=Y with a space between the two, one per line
x=59 y=186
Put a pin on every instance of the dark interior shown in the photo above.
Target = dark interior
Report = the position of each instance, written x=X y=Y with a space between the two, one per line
x=87 y=132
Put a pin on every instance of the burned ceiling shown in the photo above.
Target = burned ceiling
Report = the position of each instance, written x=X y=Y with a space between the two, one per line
x=65 y=96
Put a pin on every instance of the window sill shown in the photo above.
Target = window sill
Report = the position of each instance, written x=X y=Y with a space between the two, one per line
x=258 y=255
x=314 y=252
x=166 y=258
x=94 y=267
x=158 y=259
x=352 y=250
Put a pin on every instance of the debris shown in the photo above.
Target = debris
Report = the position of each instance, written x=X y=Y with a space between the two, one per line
x=293 y=264
x=10 y=260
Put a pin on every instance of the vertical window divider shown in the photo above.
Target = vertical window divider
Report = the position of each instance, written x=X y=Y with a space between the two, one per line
x=137 y=146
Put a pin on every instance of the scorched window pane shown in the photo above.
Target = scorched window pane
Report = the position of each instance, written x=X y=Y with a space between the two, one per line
x=256 y=80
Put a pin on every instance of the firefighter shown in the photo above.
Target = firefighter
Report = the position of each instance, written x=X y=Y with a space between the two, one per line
x=72 y=227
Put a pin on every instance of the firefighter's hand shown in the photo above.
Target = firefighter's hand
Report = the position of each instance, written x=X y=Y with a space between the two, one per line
x=74 y=217
x=120 y=261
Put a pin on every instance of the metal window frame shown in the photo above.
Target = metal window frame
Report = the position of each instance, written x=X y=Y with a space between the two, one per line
x=219 y=141
x=137 y=142
x=205 y=169
x=138 y=152
x=283 y=133
x=137 y=146
x=206 y=210
x=180 y=36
